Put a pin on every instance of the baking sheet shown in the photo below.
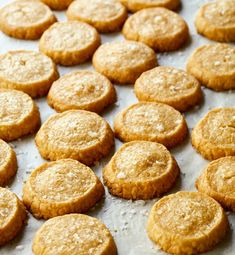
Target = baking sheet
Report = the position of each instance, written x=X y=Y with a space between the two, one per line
x=125 y=219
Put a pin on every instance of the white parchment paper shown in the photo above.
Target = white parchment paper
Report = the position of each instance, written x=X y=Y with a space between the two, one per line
x=125 y=219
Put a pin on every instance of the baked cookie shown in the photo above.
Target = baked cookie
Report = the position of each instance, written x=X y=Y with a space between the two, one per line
x=28 y=71
x=26 y=19
x=69 y=43
x=8 y=163
x=214 y=135
x=140 y=170
x=85 y=90
x=136 y=5
x=74 y=234
x=123 y=62
x=216 y=20
x=61 y=187
x=57 y=4
x=170 y=86
x=106 y=16
x=159 y=28
x=187 y=223
x=217 y=181
x=19 y=115
x=148 y=121
x=213 y=65
x=76 y=134
x=12 y=215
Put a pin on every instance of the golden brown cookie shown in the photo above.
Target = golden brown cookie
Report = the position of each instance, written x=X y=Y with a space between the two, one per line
x=26 y=19
x=69 y=43
x=105 y=15
x=159 y=28
x=19 y=115
x=218 y=182
x=140 y=170
x=85 y=90
x=154 y=122
x=61 y=187
x=12 y=215
x=136 y=5
x=8 y=163
x=216 y=20
x=187 y=223
x=74 y=234
x=214 y=135
x=170 y=86
x=57 y=4
x=123 y=62
x=28 y=71
x=76 y=134
x=213 y=65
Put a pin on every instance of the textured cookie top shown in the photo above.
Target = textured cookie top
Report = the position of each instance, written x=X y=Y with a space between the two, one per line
x=25 y=13
x=68 y=36
x=15 y=106
x=62 y=180
x=73 y=234
x=6 y=153
x=25 y=67
x=186 y=214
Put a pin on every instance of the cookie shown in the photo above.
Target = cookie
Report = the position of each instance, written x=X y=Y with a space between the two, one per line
x=136 y=5
x=57 y=4
x=187 y=223
x=28 y=71
x=170 y=86
x=19 y=115
x=12 y=215
x=106 y=16
x=76 y=134
x=69 y=43
x=214 y=135
x=213 y=65
x=8 y=163
x=123 y=62
x=151 y=121
x=84 y=235
x=26 y=19
x=85 y=90
x=140 y=170
x=61 y=187
x=159 y=28
x=216 y=20
x=217 y=181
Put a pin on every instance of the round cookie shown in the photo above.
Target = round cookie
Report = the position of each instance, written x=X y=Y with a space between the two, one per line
x=216 y=20
x=106 y=16
x=213 y=65
x=140 y=170
x=61 y=187
x=85 y=90
x=26 y=19
x=170 y=86
x=136 y=5
x=8 y=163
x=12 y=216
x=159 y=28
x=187 y=223
x=154 y=122
x=76 y=134
x=214 y=135
x=19 y=115
x=69 y=43
x=84 y=235
x=57 y=4
x=28 y=71
x=123 y=62
x=217 y=181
